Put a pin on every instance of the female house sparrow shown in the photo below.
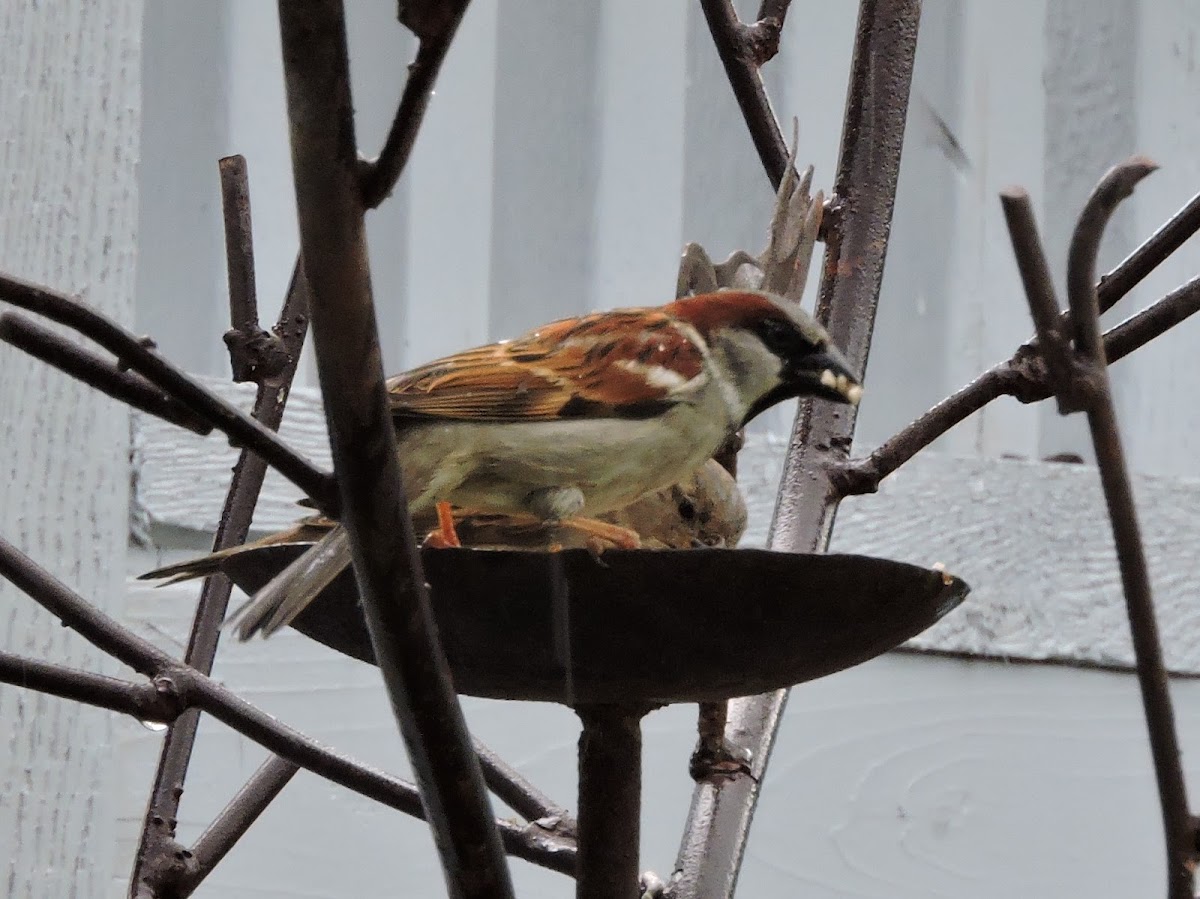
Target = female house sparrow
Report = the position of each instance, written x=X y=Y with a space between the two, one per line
x=581 y=417
x=704 y=509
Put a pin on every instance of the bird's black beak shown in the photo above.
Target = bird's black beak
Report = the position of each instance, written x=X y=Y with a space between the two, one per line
x=824 y=373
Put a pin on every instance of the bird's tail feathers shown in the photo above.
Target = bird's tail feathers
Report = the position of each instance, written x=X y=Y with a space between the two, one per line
x=287 y=594
x=306 y=530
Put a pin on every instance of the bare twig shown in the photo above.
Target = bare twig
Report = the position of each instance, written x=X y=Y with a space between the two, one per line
x=1039 y=289
x=1117 y=184
x=235 y=819
x=254 y=354
x=140 y=356
x=387 y=566
x=774 y=9
x=522 y=796
x=141 y=700
x=1022 y=377
x=178 y=687
x=272 y=371
x=1140 y=329
x=872 y=135
x=741 y=55
x=93 y=625
x=97 y=372
x=435 y=25
x=239 y=244
x=1146 y=258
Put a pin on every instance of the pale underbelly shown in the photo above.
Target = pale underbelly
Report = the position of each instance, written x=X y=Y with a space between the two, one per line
x=495 y=467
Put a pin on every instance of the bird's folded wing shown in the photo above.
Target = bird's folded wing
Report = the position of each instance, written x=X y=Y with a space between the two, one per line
x=626 y=364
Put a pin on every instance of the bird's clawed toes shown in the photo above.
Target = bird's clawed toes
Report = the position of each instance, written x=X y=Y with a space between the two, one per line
x=603 y=535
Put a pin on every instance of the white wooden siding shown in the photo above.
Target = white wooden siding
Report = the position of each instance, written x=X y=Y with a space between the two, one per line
x=69 y=130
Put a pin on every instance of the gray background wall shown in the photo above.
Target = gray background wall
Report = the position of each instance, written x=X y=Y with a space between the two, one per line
x=550 y=182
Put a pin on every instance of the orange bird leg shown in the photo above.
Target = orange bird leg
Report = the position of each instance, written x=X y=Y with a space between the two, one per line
x=445 y=536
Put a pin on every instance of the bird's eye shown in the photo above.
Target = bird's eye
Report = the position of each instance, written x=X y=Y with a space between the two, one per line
x=776 y=334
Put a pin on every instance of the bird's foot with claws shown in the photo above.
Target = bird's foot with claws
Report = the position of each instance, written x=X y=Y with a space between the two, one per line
x=603 y=535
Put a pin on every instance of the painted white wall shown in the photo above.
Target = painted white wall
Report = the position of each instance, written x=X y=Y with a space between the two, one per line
x=567 y=177
x=70 y=121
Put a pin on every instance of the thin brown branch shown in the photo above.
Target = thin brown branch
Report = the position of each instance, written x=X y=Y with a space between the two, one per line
x=387 y=567
x=1117 y=184
x=435 y=24
x=140 y=356
x=398 y=794
x=97 y=372
x=179 y=687
x=521 y=796
x=141 y=700
x=553 y=823
x=1039 y=291
x=234 y=820
x=85 y=619
x=1021 y=376
x=1147 y=257
x=774 y=9
x=273 y=374
x=239 y=244
x=856 y=244
x=254 y=354
x=1138 y=330
x=741 y=56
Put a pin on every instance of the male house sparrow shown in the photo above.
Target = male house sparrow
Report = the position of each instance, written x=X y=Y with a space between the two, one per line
x=580 y=417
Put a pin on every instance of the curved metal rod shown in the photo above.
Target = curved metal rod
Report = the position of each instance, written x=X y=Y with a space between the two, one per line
x=1117 y=184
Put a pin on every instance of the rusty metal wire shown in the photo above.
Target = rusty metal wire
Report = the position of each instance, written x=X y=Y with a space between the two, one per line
x=743 y=49
x=178 y=687
x=234 y=820
x=435 y=25
x=1092 y=385
x=1024 y=376
x=860 y=216
x=270 y=360
x=391 y=584
x=139 y=356
x=103 y=374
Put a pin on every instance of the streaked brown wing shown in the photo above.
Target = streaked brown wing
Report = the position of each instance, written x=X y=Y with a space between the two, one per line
x=626 y=363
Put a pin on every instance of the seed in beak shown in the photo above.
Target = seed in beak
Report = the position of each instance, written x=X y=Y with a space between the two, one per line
x=843 y=385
